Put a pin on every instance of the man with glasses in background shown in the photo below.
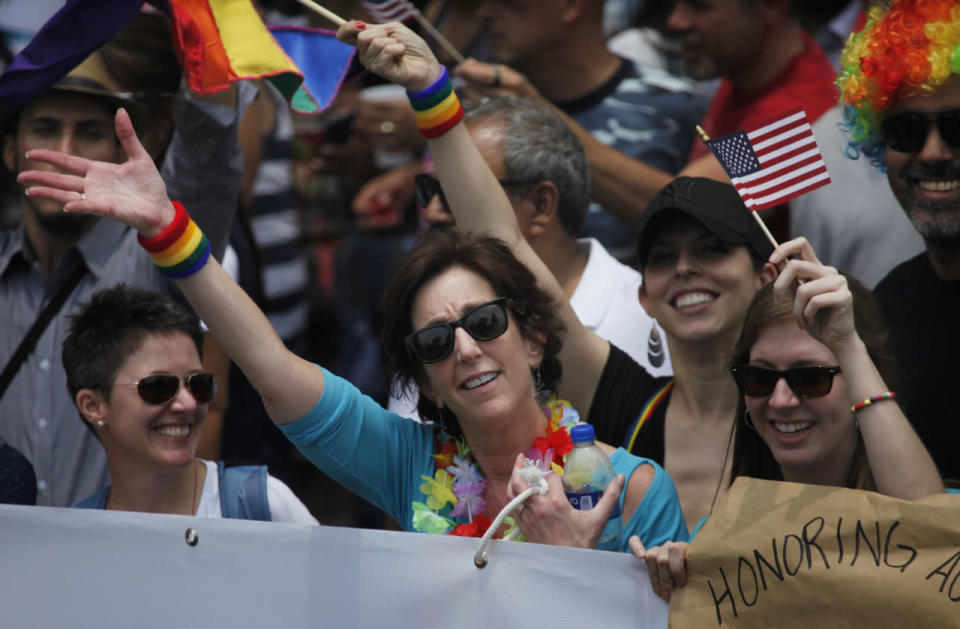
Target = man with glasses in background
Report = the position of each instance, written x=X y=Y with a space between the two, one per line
x=907 y=109
x=542 y=167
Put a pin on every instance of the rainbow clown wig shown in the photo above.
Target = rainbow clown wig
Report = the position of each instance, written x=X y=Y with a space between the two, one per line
x=911 y=48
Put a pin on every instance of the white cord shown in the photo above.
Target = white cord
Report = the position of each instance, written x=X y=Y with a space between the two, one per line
x=538 y=485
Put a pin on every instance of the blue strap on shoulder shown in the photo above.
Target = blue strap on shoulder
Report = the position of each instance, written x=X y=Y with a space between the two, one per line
x=243 y=492
x=96 y=501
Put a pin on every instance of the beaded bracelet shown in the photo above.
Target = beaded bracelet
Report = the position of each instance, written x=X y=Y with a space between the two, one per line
x=436 y=108
x=882 y=397
x=181 y=249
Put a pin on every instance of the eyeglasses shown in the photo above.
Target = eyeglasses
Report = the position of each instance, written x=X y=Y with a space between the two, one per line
x=814 y=381
x=484 y=323
x=428 y=187
x=160 y=388
x=907 y=132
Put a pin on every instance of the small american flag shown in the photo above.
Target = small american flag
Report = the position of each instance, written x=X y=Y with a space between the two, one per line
x=383 y=11
x=777 y=161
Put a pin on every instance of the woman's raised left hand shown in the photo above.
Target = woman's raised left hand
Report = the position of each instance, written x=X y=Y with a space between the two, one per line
x=550 y=519
x=394 y=52
x=132 y=192
x=822 y=302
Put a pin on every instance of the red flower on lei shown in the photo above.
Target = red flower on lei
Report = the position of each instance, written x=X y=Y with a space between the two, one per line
x=444 y=456
x=476 y=528
x=558 y=441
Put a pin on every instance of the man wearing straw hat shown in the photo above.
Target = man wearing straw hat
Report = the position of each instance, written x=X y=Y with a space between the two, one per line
x=52 y=260
x=901 y=88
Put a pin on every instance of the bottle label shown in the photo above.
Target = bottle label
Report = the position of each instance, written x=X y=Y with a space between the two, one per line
x=588 y=500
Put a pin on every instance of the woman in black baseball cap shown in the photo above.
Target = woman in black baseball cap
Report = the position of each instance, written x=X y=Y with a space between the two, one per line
x=703 y=258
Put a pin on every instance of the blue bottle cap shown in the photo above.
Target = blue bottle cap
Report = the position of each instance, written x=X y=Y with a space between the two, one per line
x=582 y=433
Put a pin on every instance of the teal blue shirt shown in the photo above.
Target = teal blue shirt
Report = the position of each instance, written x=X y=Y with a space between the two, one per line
x=382 y=458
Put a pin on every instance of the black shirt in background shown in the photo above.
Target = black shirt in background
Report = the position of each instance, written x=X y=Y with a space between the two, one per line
x=623 y=391
x=923 y=312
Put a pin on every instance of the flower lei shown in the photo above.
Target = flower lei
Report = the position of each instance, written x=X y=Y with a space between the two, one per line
x=455 y=495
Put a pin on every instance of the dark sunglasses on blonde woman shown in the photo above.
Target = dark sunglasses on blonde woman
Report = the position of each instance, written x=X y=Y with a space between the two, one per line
x=813 y=381
x=484 y=323
x=160 y=388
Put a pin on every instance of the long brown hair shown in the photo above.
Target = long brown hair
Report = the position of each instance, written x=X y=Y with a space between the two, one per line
x=491 y=259
x=751 y=456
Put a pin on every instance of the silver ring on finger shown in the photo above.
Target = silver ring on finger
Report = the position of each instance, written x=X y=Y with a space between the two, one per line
x=83 y=196
x=387 y=127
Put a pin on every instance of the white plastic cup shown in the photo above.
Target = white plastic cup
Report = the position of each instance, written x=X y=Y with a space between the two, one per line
x=386 y=159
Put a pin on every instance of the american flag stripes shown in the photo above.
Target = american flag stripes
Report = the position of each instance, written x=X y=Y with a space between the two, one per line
x=383 y=11
x=777 y=161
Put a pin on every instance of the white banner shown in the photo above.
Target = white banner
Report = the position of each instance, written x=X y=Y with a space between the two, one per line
x=86 y=568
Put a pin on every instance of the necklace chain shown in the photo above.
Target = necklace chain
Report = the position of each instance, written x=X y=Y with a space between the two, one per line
x=193 y=501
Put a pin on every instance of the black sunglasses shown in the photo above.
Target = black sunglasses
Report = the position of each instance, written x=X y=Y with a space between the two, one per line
x=907 y=132
x=484 y=323
x=427 y=187
x=814 y=381
x=160 y=388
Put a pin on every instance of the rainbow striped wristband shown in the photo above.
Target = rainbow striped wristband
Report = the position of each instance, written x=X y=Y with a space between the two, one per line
x=436 y=108
x=181 y=249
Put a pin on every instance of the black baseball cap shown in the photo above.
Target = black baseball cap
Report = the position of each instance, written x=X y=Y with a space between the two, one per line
x=717 y=206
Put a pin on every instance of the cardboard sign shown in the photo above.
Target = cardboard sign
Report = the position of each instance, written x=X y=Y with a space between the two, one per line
x=790 y=555
x=109 y=569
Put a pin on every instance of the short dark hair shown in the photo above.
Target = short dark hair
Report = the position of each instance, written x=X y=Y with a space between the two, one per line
x=491 y=259
x=105 y=330
x=751 y=456
x=538 y=146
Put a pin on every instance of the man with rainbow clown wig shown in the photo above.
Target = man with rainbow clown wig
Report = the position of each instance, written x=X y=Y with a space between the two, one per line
x=900 y=86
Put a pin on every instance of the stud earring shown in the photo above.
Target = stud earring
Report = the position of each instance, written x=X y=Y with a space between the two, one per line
x=100 y=423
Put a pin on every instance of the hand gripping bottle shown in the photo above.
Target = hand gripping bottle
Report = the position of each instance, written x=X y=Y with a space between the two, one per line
x=586 y=474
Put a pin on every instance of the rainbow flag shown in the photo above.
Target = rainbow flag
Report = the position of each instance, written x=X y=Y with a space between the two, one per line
x=67 y=38
x=324 y=60
x=219 y=42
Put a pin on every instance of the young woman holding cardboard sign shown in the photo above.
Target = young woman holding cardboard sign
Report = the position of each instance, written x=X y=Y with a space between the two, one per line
x=812 y=365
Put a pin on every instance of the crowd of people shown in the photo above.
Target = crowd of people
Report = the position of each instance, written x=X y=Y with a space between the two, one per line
x=555 y=246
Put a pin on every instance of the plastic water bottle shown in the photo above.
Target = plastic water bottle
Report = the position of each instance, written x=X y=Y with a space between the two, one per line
x=586 y=474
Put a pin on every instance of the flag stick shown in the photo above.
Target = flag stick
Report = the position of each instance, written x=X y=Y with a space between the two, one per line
x=756 y=215
x=439 y=38
x=323 y=11
x=427 y=26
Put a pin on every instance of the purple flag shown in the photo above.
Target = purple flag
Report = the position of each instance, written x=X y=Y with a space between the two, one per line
x=322 y=58
x=75 y=31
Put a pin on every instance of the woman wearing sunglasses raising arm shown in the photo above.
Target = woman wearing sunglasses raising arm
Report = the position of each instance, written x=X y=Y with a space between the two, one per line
x=703 y=258
x=465 y=320
x=813 y=365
